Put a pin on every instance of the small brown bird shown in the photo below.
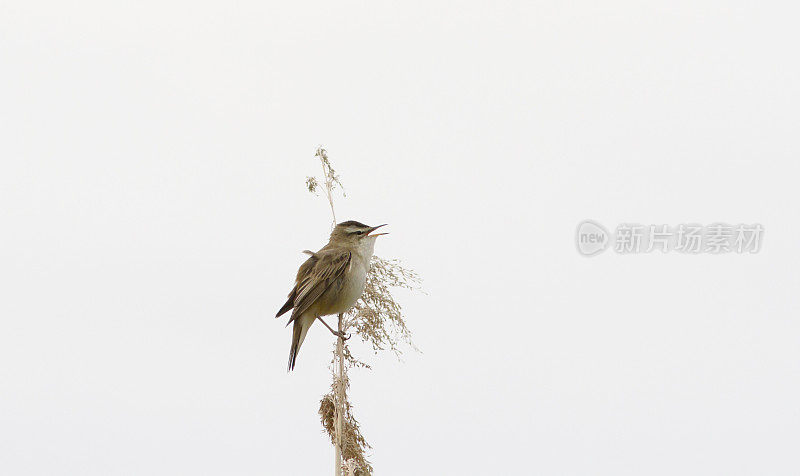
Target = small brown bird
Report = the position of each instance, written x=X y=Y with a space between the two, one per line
x=330 y=281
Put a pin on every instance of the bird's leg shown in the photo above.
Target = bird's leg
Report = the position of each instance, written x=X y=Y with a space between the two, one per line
x=336 y=333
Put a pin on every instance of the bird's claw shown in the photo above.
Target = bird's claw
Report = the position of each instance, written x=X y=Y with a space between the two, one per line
x=341 y=335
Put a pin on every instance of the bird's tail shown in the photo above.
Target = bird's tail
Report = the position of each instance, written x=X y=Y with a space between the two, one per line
x=301 y=326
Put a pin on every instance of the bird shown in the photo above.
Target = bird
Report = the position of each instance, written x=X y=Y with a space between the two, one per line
x=330 y=281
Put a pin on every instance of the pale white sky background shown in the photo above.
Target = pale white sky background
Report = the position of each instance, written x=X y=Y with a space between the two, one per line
x=153 y=213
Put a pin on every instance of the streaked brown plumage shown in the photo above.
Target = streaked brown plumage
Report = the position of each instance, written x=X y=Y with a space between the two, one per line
x=330 y=280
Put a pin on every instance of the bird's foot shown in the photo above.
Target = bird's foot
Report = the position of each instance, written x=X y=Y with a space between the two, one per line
x=338 y=334
x=342 y=335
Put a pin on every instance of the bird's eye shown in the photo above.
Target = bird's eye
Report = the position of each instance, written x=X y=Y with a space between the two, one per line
x=359 y=232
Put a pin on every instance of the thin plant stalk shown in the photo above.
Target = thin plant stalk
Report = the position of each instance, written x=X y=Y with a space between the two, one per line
x=339 y=389
x=377 y=319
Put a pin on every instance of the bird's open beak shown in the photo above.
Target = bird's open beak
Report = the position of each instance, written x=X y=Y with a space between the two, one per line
x=375 y=228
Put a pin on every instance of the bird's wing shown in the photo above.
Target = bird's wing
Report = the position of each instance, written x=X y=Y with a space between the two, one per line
x=330 y=265
x=302 y=273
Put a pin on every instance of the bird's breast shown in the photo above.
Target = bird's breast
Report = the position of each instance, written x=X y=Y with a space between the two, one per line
x=352 y=287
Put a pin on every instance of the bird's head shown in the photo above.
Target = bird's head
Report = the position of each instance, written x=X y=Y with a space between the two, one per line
x=355 y=234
